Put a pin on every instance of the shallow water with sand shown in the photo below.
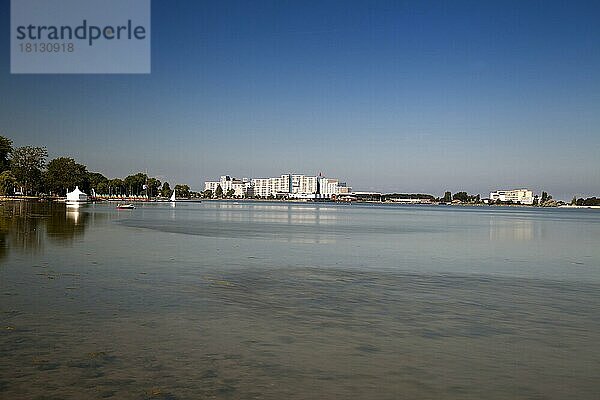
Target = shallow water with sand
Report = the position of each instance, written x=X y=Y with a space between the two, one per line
x=262 y=300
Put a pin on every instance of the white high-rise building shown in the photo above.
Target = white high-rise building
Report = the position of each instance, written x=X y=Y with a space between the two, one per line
x=273 y=187
x=284 y=186
x=304 y=184
x=262 y=187
x=521 y=196
x=241 y=187
x=299 y=186
x=330 y=187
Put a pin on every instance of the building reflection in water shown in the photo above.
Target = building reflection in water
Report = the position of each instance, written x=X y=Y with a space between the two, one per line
x=21 y=226
x=513 y=229
x=25 y=225
x=294 y=223
x=73 y=213
x=66 y=224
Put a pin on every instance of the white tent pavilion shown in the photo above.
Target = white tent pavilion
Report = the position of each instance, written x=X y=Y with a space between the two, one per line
x=77 y=196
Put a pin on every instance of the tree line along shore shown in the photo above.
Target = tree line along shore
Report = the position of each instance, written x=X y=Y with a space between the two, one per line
x=26 y=173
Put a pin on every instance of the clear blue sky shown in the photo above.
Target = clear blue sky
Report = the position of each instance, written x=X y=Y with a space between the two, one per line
x=415 y=96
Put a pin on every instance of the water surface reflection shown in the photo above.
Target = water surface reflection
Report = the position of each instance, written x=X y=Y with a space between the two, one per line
x=514 y=229
x=25 y=225
x=271 y=301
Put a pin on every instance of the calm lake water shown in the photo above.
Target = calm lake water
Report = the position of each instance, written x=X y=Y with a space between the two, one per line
x=298 y=301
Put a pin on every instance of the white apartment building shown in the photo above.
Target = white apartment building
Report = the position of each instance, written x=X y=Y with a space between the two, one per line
x=287 y=185
x=521 y=196
x=262 y=187
x=298 y=186
x=329 y=187
x=266 y=187
x=277 y=186
x=303 y=184
x=241 y=187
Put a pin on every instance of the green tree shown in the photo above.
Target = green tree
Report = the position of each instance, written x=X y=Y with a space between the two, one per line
x=230 y=193
x=134 y=184
x=590 y=201
x=116 y=187
x=102 y=187
x=26 y=164
x=7 y=183
x=5 y=151
x=153 y=187
x=64 y=174
x=447 y=197
x=219 y=192
x=182 y=191
x=95 y=180
x=207 y=194
x=544 y=198
x=461 y=196
x=166 y=190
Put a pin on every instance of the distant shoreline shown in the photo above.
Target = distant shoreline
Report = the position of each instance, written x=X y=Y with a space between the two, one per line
x=570 y=206
x=295 y=201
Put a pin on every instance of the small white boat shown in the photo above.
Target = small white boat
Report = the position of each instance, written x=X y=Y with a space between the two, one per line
x=125 y=206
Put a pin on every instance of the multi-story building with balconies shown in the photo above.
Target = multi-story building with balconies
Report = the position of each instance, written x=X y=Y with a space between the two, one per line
x=520 y=196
